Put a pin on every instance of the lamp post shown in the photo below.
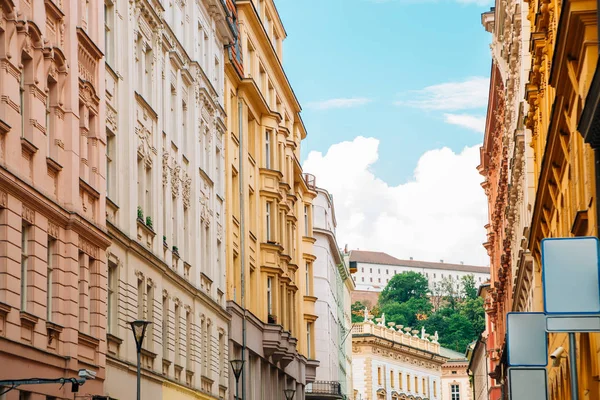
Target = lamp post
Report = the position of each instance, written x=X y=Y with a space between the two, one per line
x=237 y=366
x=289 y=393
x=139 y=331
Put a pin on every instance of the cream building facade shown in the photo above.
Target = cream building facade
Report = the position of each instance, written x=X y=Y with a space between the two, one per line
x=333 y=286
x=165 y=127
x=391 y=362
x=52 y=190
x=269 y=214
x=456 y=384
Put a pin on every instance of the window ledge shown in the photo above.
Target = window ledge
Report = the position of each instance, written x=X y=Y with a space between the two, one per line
x=28 y=318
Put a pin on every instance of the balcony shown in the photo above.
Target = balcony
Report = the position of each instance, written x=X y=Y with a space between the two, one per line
x=311 y=181
x=324 y=390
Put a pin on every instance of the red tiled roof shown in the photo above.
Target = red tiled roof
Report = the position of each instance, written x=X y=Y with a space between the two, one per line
x=376 y=257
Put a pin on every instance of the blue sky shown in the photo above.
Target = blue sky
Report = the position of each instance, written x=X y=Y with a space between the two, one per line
x=394 y=96
x=378 y=52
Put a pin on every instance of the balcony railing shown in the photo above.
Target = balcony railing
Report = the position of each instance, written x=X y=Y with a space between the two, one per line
x=311 y=181
x=324 y=387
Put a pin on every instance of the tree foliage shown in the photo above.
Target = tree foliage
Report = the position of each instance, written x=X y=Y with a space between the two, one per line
x=452 y=308
x=405 y=286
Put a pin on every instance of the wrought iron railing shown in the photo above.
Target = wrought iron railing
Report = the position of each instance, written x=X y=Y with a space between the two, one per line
x=324 y=387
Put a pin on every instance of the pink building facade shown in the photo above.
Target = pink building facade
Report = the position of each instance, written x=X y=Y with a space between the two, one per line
x=53 y=241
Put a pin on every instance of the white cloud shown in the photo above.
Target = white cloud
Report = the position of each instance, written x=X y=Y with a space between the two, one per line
x=439 y=214
x=472 y=122
x=339 y=103
x=468 y=94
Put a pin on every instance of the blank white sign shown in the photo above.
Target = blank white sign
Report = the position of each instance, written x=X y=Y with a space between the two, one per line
x=527 y=384
x=570 y=274
x=575 y=323
x=527 y=339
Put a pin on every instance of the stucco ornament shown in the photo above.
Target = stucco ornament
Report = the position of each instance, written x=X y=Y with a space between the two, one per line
x=187 y=184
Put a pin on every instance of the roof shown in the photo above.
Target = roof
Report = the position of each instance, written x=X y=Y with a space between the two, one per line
x=452 y=355
x=375 y=257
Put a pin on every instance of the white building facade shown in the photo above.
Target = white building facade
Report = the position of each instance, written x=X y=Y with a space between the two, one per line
x=395 y=364
x=375 y=269
x=165 y=125
x=332 y=288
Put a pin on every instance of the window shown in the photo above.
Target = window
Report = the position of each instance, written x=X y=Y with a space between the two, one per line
x=270 y=296
x=165 y=326
x=112 y=291
x=453 y=372
x=111 y=175
x=416 y=385
x=177 y=334
x=371 y=270
x=434 y=276
x=362 y=279
x=400 y=380
x=50 y=281
x=424 y=386
x=379 y=376
x=305 y=220
x=379 y=279
x=24 y=261
x=362 y=269
x=188 y=340
x=308 y=285
x=268 y=221
x=391 y=378
x=268 y=149
x=140 y=298
x=308 y=340
x=371 y=279
x=109 y=33
x=387 y=271
x=22 y=99
x=455 y=392
x=408 y=382
x=434 y=388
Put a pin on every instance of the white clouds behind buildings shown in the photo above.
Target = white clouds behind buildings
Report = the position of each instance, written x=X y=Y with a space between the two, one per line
x=439 y=214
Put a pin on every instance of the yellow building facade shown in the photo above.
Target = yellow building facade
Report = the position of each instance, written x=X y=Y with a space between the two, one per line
x=269 y=239
x=564 y=54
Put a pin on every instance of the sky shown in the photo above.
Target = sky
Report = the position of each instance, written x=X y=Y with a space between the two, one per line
x=394 y=96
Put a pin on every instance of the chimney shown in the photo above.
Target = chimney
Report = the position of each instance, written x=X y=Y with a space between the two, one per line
x=442 y=261
x=346 y=248
x=462 y=263
x=411 y=259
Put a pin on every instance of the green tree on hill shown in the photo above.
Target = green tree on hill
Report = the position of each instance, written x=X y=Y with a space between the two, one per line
x=457 y=314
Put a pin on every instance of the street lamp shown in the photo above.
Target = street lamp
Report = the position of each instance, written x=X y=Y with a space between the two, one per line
x=139 y=331
x=237 y=366
x=289 y=393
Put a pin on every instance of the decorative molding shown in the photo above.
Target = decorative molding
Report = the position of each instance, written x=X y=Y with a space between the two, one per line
x=28 y=214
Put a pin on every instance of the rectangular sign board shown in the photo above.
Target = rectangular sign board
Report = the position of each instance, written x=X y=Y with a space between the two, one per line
x=573 y=323
x=527 y=341
x=570 y=274
x=528 y=384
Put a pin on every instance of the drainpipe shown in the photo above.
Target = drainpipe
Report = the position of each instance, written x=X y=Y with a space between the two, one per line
x=242 y=240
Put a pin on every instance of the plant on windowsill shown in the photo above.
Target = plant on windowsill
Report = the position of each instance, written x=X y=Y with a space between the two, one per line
x=272 y=319
x=176 y=251
x=165 y=241
x=140 y=214
x=149 y=222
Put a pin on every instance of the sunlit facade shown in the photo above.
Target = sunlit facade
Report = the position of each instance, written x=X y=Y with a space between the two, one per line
x=52 y=196
x=165 y=127
x=269 y=234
